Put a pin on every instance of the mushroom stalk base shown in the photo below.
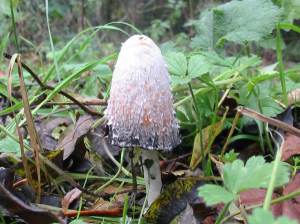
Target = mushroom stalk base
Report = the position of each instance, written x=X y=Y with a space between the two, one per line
x=152 y=175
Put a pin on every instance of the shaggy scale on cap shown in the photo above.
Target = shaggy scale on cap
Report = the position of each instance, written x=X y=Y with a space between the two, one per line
x=140 y=108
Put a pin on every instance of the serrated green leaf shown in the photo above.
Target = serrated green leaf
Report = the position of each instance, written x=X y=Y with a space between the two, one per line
x=261 y=216
x=180 y=80
x=232 y=175
x=214 y=194
x=177 y=63
x=255 y=174
x=230 y=156
x=198 y=66
x=236 y=21
x=241 y=24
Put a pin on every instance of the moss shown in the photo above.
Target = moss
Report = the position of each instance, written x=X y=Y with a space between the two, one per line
x=174 y=191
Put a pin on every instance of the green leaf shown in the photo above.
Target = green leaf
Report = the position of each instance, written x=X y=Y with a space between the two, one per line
x=198 y=66
x=8 y=145
x=255 y=174
x=177 y=63
x=232 y=175
x=230 y=156
x=241 y=24
x=261 y=216
x=291 y=9
x=214 y=194
x=180 y=80
x=236 y=21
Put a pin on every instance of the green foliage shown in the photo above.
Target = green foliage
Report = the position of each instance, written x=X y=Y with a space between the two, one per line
x=230 y=156
x=177 y=63
x=198 y=65
x=8 y=145
x=237 y=177
x=217 y=194
x=291 y=9
x=236 y=21
x=261 y=216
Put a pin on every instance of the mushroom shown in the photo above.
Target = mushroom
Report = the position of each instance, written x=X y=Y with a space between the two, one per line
x=140 y=109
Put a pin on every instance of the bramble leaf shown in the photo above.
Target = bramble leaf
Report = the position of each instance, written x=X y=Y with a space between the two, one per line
x=236 y=21
x=198 y=66
x=214 y=194
x=177 y=63
x=255 y=174
x=237 y=177
x=261 y=216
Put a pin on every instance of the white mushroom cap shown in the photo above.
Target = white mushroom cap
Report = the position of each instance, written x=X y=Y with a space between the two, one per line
x=140 y=108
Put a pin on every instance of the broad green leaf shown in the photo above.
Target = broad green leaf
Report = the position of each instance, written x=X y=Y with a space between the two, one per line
x=214 y=194
x=236 y=21
x=255 y=174
x=198 y=66
x=177 y=63
x=242 y=24
x=180 y=80
x=261 y=216
x=232 y=175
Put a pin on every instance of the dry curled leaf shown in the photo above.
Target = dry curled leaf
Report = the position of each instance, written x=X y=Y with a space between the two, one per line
x=81 y=128
x=71 y=196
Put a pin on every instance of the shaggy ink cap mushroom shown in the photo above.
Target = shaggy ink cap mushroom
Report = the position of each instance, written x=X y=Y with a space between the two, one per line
x=140 y=109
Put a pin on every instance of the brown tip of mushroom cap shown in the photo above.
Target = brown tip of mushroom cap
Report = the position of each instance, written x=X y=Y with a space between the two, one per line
x=140 y=108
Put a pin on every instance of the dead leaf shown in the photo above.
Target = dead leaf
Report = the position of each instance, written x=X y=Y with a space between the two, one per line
x=291 y=208
x=30 y=214
x=294 y=96
x=81 y=128
x=45 y=130
x=291 y=146
x=209 y=134
x=71 y=196
x=257 y=196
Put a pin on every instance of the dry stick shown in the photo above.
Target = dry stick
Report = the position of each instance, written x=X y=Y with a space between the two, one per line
x=23 y=156
x=277 y=123
x=109 y=212
x=34 y=139
x=21 y=142
x=43 y=86
x=234 y=123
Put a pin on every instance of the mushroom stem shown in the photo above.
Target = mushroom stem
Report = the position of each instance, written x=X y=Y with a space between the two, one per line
x=152 y=174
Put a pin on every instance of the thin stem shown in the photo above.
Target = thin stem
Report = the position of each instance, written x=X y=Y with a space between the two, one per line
x=51 y=42
x=234 y=123
x=222 y=213
x=271 y=186
x=115 y=176
x=14 y=25
x=280 y=64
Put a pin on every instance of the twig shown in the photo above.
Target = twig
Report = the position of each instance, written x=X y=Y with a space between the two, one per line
x=109 y=212
x=34 y=138
x=67 y=95
x=234 y=123
x=277 y=123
